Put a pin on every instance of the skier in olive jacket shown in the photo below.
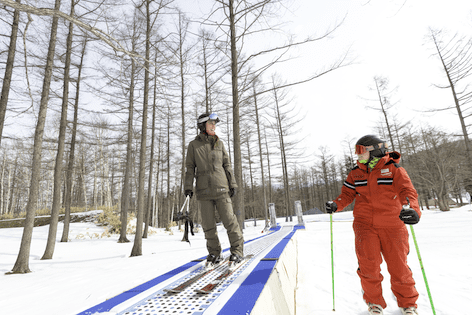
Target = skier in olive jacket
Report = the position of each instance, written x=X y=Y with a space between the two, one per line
x=208 y=162
x=381 y=187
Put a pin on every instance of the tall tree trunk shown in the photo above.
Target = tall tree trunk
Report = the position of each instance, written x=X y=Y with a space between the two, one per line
x=151 y=162
x=11 y=186
x=56 y=201
x=251 y=178
x=259 y=139
x=125 y=193
x=283 y=158
x=2 y=188
x=95 y=185
x=138 y=240
x=158 y=209
x=183 y=25
x=9 y=69
x=238 y=168
x=205 y=74
x=168 y=213
x=268 y=167
x=70 y=167
x=83 y=187
x=22 y=262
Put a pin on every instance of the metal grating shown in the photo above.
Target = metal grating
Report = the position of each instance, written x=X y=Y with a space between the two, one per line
x=190 y=302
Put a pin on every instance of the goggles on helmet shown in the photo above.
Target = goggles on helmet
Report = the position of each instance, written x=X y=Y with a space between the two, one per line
x=360 y=149
x=211 y=117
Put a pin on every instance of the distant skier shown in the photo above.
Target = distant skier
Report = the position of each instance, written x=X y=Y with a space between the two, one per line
x=381 y=187
x=208 y=162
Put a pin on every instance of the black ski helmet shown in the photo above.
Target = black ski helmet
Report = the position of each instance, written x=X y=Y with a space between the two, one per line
x=203 y=118
x=368 y=140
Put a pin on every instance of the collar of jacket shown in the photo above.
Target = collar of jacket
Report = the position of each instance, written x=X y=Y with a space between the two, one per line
x=207 y=138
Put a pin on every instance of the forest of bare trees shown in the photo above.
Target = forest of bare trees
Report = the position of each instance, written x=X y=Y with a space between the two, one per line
x=99 y=100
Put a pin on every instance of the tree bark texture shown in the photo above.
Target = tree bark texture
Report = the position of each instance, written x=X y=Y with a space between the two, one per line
x=22 y=262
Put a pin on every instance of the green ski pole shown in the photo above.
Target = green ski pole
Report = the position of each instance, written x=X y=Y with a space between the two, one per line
x=419 y=258
x=332 y=256
x=422 y=269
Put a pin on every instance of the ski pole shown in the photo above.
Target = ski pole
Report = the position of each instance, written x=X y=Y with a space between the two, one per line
x=422 y=268
x=185 y=202
x=419 y=258
x=332 y=256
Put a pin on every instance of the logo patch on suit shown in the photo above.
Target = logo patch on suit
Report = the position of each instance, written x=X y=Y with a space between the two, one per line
x=385 y=172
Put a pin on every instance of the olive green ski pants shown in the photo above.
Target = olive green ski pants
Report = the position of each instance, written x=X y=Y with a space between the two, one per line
x=225 y=210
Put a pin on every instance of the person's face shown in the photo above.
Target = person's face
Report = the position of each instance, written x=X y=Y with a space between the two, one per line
x=210 y=127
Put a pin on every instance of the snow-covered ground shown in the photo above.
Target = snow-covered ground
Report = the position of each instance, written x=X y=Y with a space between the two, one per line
x=89 y=269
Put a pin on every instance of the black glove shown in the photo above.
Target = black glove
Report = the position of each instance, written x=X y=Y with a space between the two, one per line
x=232 y=192
x=331 y=207
x=181 y=216
x=189 y=193
x=409 y=216
x=178 y=216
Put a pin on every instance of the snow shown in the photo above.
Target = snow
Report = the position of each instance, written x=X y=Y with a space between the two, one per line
x=90 y=269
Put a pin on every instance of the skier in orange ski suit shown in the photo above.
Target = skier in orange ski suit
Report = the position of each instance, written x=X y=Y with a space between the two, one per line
x=380 y=187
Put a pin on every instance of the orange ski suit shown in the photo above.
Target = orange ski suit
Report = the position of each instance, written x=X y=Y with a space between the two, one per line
x=380 y=193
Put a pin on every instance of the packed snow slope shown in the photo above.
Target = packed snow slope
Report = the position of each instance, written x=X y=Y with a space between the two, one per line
x=90 y=268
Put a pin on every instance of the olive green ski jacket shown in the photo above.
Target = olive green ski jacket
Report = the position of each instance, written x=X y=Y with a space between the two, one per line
x=208 y=162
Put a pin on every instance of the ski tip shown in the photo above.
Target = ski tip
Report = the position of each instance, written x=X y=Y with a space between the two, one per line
x=201 y=292
x=172 y=291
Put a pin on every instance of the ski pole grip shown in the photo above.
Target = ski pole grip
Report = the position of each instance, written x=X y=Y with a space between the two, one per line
x=407 y=206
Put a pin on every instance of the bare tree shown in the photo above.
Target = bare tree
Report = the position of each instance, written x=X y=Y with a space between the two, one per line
x=22 y=262
x=437 y=165
x=9 y=69
x=56 y=203
x=107 y=38
x=211 y=64
x=259 y=138
x=149 y=207
x=326 y=160
x=241 y=19
x=455 y=56
x=138 y=241
x=125 y=194
x=384 y=98
x=70 y=167
x=182 y=53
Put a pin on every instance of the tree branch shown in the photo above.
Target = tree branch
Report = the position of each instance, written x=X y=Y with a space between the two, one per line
x=109 y=40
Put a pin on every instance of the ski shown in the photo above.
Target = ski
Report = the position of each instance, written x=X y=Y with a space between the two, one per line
x=222 y=277
x=181 y=287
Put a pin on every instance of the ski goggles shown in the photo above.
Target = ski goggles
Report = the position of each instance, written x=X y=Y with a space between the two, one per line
x=211 y=117
x=360 y=149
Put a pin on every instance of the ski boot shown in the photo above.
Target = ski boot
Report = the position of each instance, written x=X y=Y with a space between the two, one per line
x=213 y=261
x=375 y=309
x=234 y=260
x=409 y=310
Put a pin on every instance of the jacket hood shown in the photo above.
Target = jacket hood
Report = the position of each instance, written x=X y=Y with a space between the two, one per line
x=395 y=156
x=204 y=137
